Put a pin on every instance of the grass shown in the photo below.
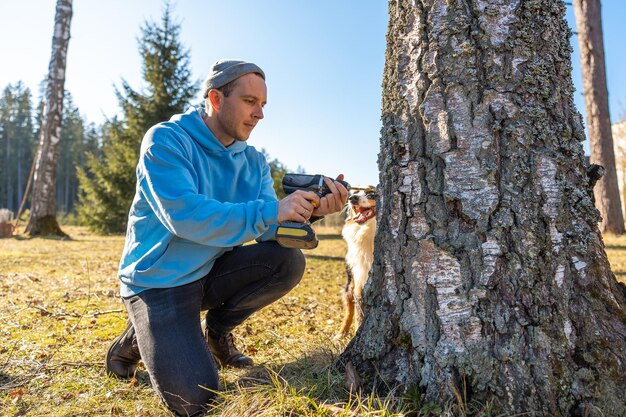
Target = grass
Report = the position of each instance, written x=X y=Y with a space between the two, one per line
x=60 y=308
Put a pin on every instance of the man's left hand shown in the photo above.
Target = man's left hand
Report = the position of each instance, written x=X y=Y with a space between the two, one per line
x=333 y=202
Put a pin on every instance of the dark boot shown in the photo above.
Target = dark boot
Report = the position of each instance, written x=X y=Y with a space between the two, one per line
x=225 y=352
x=123 y=354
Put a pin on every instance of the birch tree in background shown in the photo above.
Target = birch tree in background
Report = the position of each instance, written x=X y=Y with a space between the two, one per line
x=43 y=206
x=590 y=42
x=490 y=282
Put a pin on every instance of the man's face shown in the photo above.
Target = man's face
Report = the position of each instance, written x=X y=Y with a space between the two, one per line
x=242 y=109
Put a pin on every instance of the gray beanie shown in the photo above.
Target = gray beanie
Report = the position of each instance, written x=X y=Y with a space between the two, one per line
x=227 y=70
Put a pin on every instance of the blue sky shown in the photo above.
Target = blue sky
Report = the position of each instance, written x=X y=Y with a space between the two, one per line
x=323 y=59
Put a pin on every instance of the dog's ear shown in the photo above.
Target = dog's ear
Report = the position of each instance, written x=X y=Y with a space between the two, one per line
x=371 y=189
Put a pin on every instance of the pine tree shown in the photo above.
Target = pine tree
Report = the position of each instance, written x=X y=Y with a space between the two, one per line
x=278 y=170
x=17 y=143
x=589 y=27
x=74 y=142
x=108 y=183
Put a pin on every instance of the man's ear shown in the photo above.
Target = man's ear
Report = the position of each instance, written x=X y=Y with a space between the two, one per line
x=215 y=99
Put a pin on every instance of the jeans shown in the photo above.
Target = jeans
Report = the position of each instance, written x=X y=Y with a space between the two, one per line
x=167 y=327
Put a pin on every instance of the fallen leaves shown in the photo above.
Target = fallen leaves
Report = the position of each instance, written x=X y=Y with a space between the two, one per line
x=132 y=384
x=17 y=394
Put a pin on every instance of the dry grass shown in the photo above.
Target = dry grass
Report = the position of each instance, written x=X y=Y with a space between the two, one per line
x=616 y=251
x=60 y=308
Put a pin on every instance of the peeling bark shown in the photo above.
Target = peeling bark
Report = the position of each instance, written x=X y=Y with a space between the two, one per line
x=490 y=268
x=590 y=42
x=43 y=207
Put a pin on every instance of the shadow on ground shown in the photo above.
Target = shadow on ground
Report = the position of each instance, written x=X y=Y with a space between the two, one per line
x=24 y=236
x=316 y=375
x=329 y=237
x=326 y=257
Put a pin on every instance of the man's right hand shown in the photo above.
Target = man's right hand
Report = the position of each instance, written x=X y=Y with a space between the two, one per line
x=297 y=206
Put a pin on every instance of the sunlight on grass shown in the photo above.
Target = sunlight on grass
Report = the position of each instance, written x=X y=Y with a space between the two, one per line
x=60 y=308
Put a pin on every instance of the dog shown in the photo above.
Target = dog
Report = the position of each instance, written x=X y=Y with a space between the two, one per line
x=358 y=232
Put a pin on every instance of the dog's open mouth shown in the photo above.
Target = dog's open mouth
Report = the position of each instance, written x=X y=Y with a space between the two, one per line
x=363 y=214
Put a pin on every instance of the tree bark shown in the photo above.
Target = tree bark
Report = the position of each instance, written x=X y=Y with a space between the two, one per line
x=20 y=162
x=590 y=42
x=43 y=207
x=618 y=130
x=9 y=170
x=490 y=277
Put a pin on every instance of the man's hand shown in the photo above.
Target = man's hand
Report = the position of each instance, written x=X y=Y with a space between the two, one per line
x=333 y=202
x=298 y=206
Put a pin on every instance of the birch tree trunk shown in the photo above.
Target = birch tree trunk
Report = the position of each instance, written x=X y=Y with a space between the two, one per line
x=43 y=207
x=590 y=42
x=490 y=278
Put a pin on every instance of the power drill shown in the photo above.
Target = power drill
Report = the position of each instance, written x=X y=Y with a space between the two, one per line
x=300 y=235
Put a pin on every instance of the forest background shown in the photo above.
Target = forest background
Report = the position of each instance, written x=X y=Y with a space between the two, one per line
x=324 y=80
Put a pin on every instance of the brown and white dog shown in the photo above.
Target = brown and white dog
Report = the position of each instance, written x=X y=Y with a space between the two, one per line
x=358 y=232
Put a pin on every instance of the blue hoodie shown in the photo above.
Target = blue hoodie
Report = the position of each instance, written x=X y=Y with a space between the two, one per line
x=195 y=200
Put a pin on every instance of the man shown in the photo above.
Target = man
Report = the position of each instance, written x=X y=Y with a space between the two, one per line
x=202 y=193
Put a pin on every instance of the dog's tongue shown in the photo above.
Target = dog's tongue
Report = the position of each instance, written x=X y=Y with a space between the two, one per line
x=363 y=215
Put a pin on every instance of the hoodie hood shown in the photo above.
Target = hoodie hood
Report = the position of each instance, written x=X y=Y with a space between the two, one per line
x=191 y=121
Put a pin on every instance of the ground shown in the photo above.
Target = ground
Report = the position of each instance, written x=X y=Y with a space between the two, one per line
x=60 y=308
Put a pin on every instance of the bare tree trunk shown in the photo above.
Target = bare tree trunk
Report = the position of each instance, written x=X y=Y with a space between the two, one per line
x=43 y=207
x=490 y=281
x=66 y=189
x=618 y=130
x=9 y=170
x=20 y=161
x=589 y=27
